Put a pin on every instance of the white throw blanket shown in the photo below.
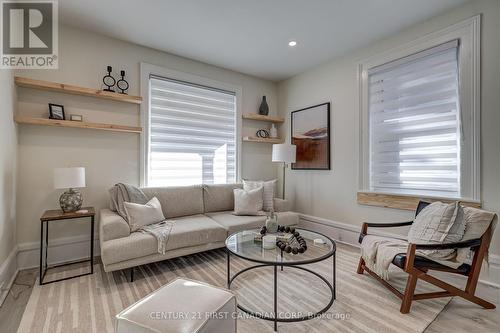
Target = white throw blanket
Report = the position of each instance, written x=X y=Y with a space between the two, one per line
x=378 y=253
x=161 y=231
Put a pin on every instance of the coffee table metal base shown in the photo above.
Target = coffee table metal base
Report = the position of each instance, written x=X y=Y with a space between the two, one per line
x=276 y=319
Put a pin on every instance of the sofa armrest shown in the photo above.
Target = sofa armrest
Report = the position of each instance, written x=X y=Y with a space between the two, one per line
x=112 y=226
x=282 y=205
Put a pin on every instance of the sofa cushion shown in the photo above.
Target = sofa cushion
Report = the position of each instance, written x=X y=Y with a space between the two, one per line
x=179 y=200
x=187 y=231
x=217 y=198
x=234 y=223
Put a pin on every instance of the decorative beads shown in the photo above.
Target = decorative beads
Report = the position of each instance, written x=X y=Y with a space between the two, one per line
x=284 y=246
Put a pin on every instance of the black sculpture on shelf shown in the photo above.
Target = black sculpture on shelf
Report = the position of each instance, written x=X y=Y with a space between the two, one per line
x=122 y=84
x=108 y=80
x=262 y=133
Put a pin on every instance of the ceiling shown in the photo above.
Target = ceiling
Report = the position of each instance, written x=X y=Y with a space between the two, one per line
x=251 y=36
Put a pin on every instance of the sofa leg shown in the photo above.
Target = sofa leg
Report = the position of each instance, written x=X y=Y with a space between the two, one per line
x=360 y=266
x=131 y=274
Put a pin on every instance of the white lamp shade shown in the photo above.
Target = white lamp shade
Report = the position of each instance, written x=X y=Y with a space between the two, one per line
x=69 y=177
x=284 y=153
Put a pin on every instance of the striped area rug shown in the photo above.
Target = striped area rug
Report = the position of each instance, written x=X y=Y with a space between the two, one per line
x=89 y=303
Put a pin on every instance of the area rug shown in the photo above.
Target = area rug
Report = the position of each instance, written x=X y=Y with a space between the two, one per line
x=89 y=303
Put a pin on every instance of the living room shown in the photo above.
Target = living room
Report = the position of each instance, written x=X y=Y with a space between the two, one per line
x=274 y=166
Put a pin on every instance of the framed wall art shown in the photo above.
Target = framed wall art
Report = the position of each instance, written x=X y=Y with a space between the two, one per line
x=311 y=134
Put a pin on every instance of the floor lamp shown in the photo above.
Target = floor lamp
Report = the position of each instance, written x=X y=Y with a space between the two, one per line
x=284 y=153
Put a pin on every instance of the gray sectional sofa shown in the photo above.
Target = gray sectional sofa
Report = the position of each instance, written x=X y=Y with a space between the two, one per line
x=204 y=219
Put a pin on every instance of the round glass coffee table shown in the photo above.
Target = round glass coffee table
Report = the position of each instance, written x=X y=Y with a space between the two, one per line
x=243 y=245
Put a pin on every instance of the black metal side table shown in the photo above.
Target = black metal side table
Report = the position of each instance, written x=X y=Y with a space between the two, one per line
x=57 y=215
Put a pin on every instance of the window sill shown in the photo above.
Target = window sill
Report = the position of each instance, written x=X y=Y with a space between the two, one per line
x=401 y=201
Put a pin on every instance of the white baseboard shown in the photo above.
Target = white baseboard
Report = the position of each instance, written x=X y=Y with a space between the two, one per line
x=8 y=273
x=60 y=250
x=349 y=234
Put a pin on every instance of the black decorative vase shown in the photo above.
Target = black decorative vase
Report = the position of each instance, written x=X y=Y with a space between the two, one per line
x=264 y=108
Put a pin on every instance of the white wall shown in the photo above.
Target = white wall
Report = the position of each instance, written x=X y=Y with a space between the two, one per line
x=332 y=194
x=107 y=156
x=8 y=162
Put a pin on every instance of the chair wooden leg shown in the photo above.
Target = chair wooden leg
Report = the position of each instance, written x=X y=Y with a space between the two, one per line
x=360 y=266
x=411 y=283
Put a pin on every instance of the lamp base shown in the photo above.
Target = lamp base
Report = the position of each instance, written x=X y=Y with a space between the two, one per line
x=71 y=201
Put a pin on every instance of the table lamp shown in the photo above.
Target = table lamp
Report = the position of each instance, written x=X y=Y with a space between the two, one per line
x=70 y=178
x=284 y=153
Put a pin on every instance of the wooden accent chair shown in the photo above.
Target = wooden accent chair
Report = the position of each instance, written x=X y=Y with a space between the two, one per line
x=417 y=267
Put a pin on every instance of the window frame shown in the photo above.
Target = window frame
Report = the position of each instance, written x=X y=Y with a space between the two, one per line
x=148 y=70
x=468 y=34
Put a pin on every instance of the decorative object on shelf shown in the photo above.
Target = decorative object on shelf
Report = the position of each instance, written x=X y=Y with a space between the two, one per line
x=122 y=84
x=311 y=134
x=76 y=117
x=56 y=112
x=273 y=132
x=295 y=244
x=272 y=222
x=284 y=153
x=264 y=108
x=108 y=80
x=262 y=133
x=70 y=178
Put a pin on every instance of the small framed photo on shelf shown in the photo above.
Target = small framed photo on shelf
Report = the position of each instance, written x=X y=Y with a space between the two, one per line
x=56 y=112
x=76 y=117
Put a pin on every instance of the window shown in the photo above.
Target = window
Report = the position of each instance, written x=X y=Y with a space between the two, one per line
x=419 y=113
x=192 y=134
x=415 y=125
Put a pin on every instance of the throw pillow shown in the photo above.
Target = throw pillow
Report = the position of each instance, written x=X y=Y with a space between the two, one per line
x=140 y=215
x=248 y=202
x=268 y=194
x=476 y=222
x=435 y=224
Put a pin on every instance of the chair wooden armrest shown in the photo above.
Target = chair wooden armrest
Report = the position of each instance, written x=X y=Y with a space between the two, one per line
x=471 y=243
x=364 y=227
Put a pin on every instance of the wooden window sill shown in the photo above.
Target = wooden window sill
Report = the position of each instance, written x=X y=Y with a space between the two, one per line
x=405 y=202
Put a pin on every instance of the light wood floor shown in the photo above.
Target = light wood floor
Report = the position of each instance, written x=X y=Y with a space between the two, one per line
x=458 y=316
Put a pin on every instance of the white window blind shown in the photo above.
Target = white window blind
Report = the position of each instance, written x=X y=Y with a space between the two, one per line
x=414 y=124
x=192 y=136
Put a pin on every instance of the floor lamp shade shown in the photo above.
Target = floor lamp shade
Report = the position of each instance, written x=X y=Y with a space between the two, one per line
x=70 y=178
x=284 y=153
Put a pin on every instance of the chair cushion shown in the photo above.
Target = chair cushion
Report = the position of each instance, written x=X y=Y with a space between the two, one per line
x=400 y=261
x=177 y=201
x=187 y=231
x=234 y=223
x=218 y=198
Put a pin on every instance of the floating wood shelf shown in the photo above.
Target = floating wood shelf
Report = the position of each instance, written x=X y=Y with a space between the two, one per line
x=261 y=140
x=75 y=90
x=255 y=116
x=76 y=124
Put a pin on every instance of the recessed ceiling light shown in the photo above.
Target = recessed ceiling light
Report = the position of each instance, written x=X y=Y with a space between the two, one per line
x=292 y=43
